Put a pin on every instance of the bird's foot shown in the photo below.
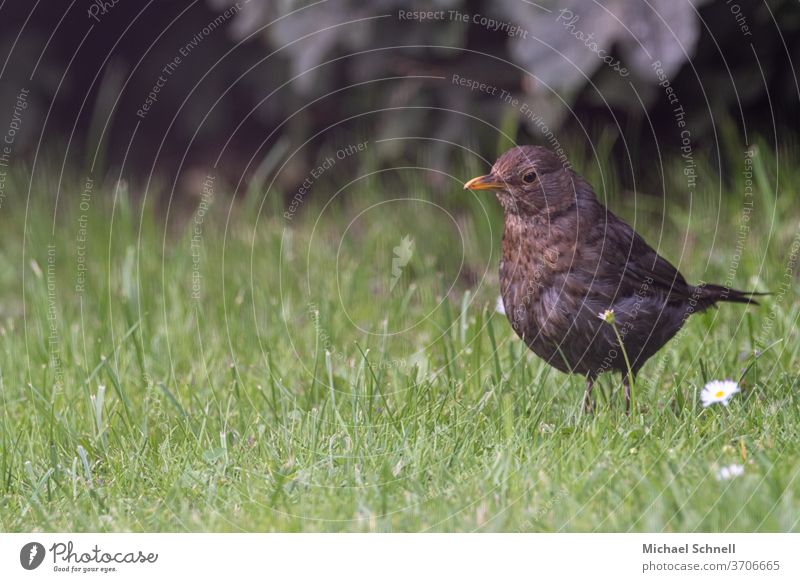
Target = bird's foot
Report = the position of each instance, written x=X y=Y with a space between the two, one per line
x=588 y=403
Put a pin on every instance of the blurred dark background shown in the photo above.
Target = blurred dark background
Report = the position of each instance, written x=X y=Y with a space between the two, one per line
x=268 y=88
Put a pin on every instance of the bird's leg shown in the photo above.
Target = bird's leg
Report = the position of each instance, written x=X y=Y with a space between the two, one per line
x=626 y=382
x=588 y=404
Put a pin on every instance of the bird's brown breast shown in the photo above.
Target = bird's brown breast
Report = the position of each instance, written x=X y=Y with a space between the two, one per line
x=535 y=280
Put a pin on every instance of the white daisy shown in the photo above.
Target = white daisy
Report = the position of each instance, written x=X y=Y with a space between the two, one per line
x=730 y=472
x=718 y=391
x=607 y=316
x=499 y=307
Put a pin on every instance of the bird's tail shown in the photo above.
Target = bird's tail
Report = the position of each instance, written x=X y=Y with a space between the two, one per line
x=714 y=293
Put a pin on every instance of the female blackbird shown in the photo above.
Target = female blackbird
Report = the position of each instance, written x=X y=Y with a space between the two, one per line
x=567 y=259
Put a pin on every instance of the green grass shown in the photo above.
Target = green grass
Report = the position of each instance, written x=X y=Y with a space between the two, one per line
x=301 y=392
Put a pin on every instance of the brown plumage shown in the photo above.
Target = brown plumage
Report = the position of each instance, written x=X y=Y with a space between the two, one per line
x=567 y=258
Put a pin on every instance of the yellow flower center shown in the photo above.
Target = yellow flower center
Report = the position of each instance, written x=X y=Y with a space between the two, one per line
x=719 y=394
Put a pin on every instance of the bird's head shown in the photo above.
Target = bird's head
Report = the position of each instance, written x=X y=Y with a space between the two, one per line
x=529 y=180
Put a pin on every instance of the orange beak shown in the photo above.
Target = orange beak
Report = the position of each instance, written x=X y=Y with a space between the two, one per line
x=487 y=182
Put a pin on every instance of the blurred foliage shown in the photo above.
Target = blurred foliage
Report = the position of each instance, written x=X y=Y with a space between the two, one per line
x=275 y=86
x=582 y=66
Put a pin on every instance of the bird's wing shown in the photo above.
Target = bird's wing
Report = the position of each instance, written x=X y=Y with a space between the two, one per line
x=650 y=266
x=636 y=267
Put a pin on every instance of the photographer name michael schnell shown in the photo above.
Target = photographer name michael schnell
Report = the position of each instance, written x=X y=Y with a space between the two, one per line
x=686 y=549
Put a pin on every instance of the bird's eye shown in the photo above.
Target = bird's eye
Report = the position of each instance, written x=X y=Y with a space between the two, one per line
x=529 y=177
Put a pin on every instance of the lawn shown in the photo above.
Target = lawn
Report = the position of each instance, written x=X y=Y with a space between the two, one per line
x=342 y=367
